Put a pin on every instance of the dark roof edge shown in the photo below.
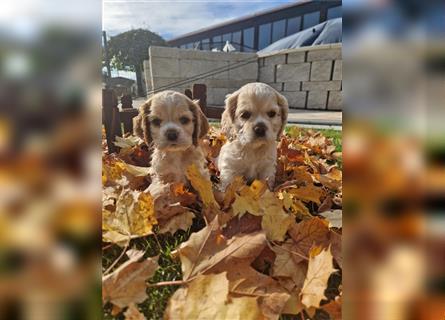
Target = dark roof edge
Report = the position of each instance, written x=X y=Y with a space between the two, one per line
x=250 y=16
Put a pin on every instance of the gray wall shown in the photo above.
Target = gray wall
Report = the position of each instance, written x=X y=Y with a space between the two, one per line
x=169 y=65
x=309 y=77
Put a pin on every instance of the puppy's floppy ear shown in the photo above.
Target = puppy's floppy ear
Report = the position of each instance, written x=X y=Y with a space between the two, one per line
x=228 y=116
x=141 y=123
x=200 y=123
x=282 y=103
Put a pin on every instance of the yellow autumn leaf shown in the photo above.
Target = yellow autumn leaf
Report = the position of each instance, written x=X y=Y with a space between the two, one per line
x=319 y=269
x=275 y=221
x=202 y=185
x=134 y=217
x=207 y=297
x=307 y=193
x=243 y=204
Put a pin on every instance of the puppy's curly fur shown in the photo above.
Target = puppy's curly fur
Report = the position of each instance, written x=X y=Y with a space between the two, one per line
x=253 y=120
x=173 y=125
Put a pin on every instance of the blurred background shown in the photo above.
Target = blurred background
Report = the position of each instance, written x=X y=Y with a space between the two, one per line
x=394 y=159
x=50 y=198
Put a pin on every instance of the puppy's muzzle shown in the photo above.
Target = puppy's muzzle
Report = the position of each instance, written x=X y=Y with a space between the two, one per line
x=171 y=135
x=260 y=130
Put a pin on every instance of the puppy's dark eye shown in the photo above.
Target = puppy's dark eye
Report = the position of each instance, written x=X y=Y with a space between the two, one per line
x=271 y=114
x=184 y=120
x=156 y=122
x=245 y=115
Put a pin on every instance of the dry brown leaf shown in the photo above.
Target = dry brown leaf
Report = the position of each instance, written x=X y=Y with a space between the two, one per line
x=335 y=240
x=326 y=204
x=230 y=193
x=133 y=313
x=308 y=233
x=319 y=269
x=206 y=298
x=245 y=281
x=307 y=193
x=333 y=308
x=285 y=263
x=293 y=304
x=207 y=248
x=182 y=221
x=202 y=185
x=126 y=284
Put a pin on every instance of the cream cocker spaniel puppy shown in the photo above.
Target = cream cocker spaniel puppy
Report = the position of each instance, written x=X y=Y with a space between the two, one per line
x=253 y=120
x=173 y=125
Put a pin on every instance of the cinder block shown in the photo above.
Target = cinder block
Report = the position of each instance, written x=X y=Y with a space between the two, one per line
x=266 y=74
x=166 y=82
x=248 y=71
x=296 y=99
x=292 y=86
x=191 y=68
x=276 y=59
x=337 y=70
x=163 y=52
x=165 y=67
x=293 y=72
x=277 y=86
x=296 y=57
x=321 y=70
x=216 y=96
x=324 y=54
x=321 y=85
x=225 y=83
x=335 y=101
x=317 y=100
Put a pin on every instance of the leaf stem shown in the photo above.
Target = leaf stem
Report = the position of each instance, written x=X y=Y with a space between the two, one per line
x=116 y=261
x=167 y=283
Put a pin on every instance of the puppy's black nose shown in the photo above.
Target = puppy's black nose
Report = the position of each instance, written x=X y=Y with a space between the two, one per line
x=172 y=135
x=260 y=129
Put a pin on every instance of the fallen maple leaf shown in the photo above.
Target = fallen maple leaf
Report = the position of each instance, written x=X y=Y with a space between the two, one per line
x=275 y=221
x=286 y=265
x=207 y=297
x=126 y=284
x=307 y=193
x=319 y=269
x=202 y=185
x=308 y=233
x=207 y=248
x=245 y=281
x=134 y=216
x=230 y=193
x=182 y=221
x=333 y=308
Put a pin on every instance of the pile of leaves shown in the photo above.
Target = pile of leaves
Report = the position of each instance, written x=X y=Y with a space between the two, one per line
x=248 y=253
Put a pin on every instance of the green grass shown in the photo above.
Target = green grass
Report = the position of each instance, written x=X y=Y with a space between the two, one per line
x=170 y=268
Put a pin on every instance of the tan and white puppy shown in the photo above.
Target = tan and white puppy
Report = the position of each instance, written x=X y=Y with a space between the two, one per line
x=173 y=125
x=253 y=120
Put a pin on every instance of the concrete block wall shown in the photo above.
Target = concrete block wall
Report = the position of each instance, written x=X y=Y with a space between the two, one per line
x=168 y=66
x=310 y=77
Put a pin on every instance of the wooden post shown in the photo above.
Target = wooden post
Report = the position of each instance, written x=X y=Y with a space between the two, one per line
x=200 y=93
x=127 y=113
x=188 y=93
x=111 y=119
